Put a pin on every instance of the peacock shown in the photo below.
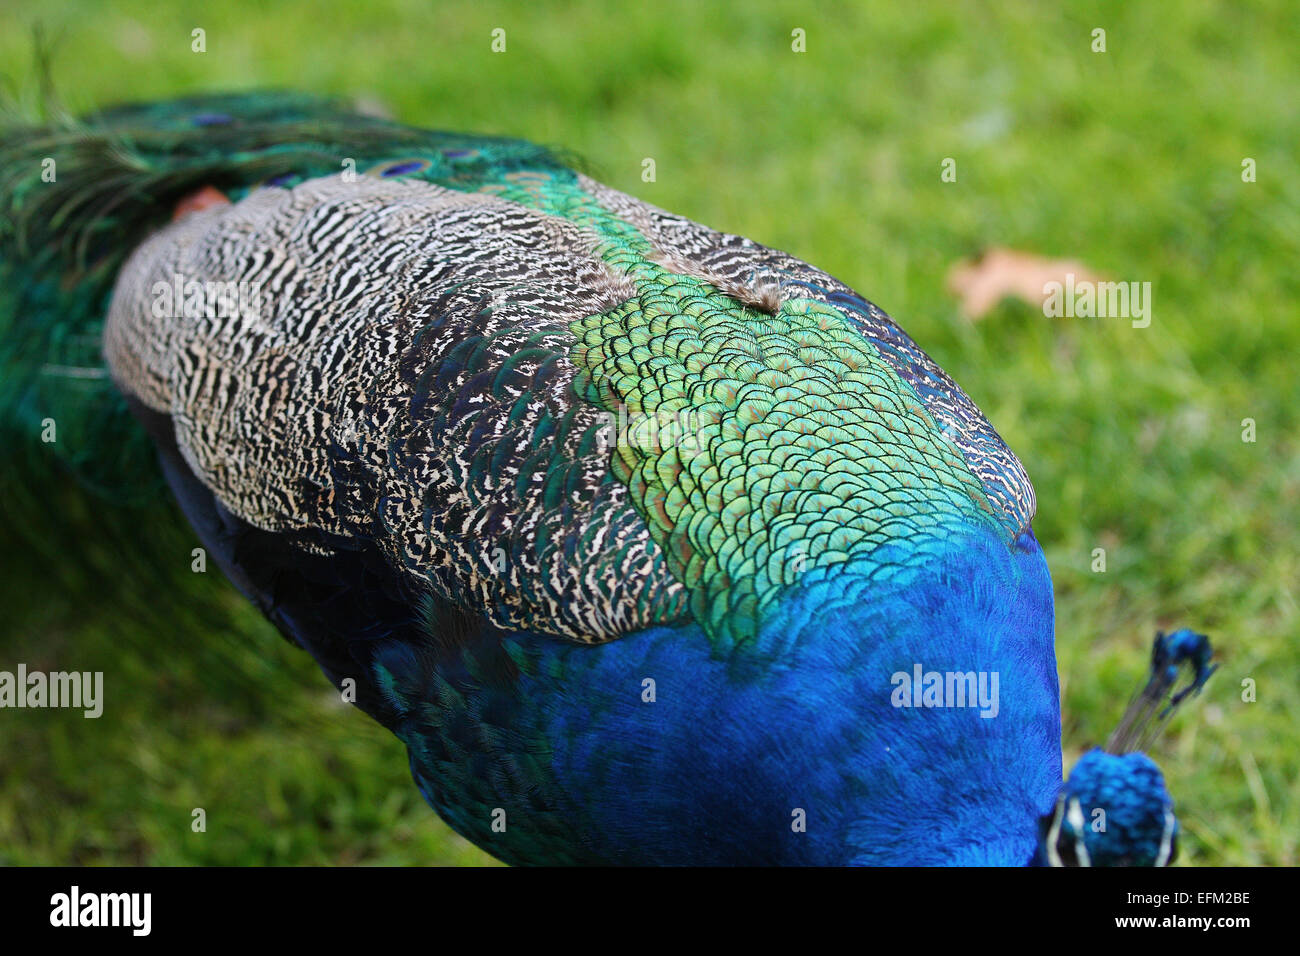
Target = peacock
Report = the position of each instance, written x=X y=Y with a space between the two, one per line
x=653 y=545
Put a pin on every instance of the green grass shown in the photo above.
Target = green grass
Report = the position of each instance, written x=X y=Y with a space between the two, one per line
x=1129 y=161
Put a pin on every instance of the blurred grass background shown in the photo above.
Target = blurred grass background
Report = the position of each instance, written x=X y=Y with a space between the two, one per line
x=1128 y=160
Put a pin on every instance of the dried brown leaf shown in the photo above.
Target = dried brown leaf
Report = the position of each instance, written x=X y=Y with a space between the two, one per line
x=999 y=273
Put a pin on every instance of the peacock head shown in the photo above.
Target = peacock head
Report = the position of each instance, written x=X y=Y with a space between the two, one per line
x=1114 y=809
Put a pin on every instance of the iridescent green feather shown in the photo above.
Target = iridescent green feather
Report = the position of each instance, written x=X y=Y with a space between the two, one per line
x=758 y=446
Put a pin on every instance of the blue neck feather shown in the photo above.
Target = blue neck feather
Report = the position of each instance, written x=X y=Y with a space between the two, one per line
x=740 y=745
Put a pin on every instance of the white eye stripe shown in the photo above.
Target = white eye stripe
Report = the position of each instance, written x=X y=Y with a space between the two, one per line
x=1167 y=839
x=1077 y=821
x=1054 y=833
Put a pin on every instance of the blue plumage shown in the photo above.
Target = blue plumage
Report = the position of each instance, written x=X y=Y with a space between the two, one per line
x=653 y=545
x=1114 y=811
